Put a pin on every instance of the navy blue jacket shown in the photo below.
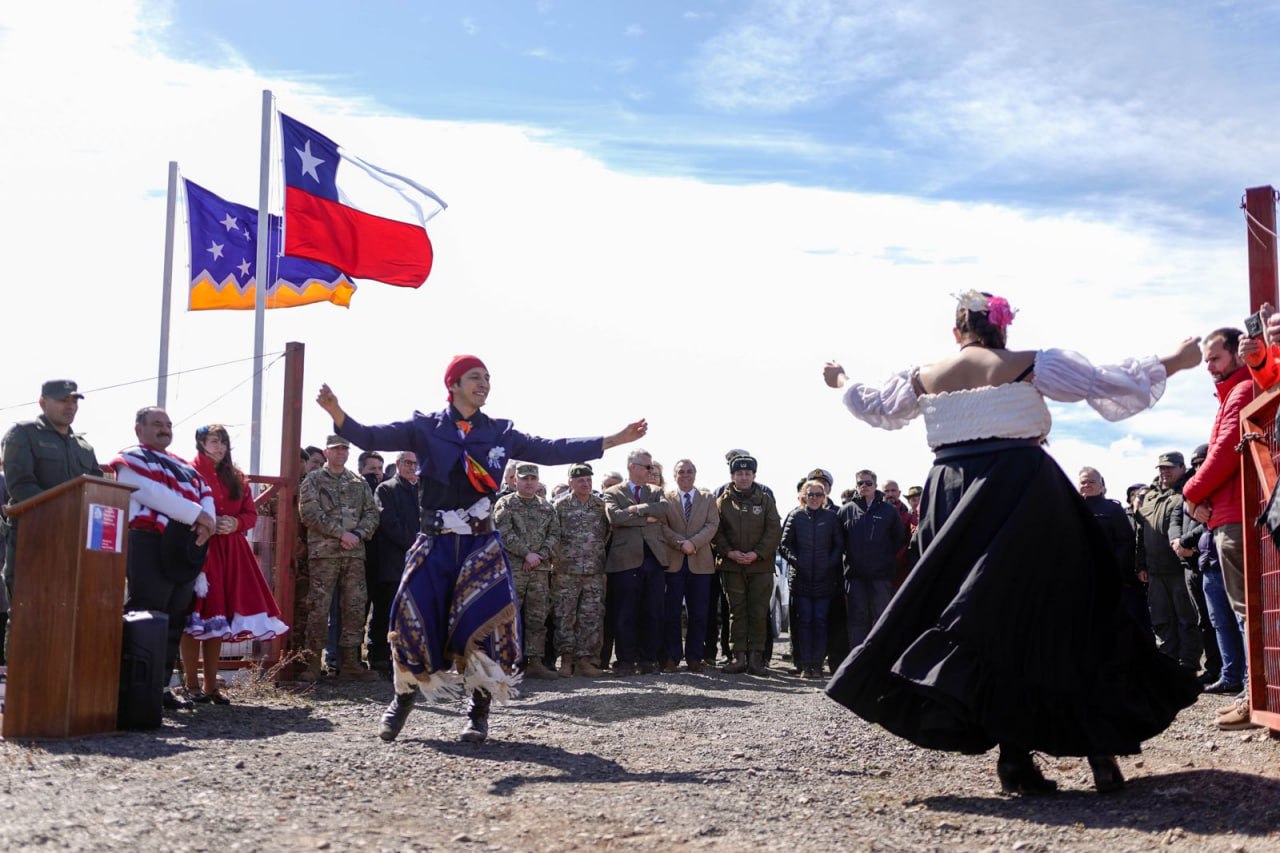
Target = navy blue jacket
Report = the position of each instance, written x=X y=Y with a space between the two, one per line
x=872 y=536
x=813 y=546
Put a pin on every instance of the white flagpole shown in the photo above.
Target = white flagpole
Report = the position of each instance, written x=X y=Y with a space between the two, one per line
x=166 y=298
x=263 y=279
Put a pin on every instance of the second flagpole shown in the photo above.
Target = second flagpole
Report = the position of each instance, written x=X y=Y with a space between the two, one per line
x=262 y=280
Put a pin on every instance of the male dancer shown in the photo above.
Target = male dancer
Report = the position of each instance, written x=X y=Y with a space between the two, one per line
x=454 y=622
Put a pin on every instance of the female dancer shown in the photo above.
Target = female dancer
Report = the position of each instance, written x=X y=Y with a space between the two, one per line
x=233 y=601
x=1010 y=630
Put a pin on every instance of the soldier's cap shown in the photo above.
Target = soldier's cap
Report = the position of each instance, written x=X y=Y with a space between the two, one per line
x=914 y=490
x=821 y=474
x=336 y=441
x=734 y=454
x=1199 y=454
x=580 y=469
x=526 y=469
x=60 y=389
x=1173 y=457
x=742 y=463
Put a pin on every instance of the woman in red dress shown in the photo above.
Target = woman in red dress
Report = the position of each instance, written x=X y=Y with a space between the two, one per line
x=233 y=602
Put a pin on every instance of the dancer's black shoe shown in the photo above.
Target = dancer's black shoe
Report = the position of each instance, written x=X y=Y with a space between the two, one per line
x=397 y=712
x=1019 y=775
x=477 y=728
x=1106 y=774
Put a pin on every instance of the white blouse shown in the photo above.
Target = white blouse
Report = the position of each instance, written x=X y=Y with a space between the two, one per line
x=1015 y=410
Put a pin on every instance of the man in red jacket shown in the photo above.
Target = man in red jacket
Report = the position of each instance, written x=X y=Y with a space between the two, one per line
x=1213 y=492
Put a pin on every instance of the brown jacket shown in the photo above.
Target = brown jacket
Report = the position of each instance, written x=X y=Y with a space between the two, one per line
x=631 y=532
x=704 y=518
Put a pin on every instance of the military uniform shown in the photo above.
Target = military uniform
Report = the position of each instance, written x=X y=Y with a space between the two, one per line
x=37 y=457
x=748 y=522
x=578 y=583
x=330 y=505
x=529 y=525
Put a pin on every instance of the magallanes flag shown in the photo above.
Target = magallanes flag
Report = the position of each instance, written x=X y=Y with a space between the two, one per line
x=224 y=254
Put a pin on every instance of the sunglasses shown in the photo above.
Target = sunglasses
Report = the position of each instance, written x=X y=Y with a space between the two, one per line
x=815 y=494
x=862 y=483
x=646 y=467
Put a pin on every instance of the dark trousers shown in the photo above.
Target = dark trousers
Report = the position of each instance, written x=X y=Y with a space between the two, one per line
x=865 y=600
x=606 y=630
x=809 y=630
x=1208 y=637
x=717 y=620
x=837 y=633
x=381 y=595
x=694 y=592
x=150 y=589
x=637 y=595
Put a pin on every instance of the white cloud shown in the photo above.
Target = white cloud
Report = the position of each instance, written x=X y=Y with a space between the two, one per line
x=633 y=31
x=594 y=296
x=544 y=54
x=469 y=26
x=1015 y=91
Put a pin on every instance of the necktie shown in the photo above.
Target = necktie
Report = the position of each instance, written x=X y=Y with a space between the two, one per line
x=636 y=490
x=688 y=505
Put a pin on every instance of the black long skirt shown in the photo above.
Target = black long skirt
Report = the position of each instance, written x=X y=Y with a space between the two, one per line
x=1010 y=629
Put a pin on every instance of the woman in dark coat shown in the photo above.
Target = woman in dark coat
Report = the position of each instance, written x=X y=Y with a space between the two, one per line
x=812 y=545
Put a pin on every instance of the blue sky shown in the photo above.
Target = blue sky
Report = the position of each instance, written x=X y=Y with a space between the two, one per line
x=1055 y=106
x=746 y=188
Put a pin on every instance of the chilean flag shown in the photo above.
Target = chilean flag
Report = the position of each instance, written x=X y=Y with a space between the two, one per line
x=346 y=212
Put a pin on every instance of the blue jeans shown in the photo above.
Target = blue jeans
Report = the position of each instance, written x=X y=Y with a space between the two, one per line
x=809 y=632
x=693 y=591
x=1225 y=626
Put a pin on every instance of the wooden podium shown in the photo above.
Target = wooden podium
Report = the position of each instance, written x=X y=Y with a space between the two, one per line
x=66 y=620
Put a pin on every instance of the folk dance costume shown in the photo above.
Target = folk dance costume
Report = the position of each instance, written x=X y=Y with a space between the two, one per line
x=1011 y=629
x=233 y=601
x=455 y=626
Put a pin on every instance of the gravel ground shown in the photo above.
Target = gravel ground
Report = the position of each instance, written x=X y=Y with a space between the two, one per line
x=685 y=761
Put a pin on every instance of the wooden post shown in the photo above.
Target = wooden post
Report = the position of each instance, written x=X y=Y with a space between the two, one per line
x=1260 y=226
x=290 y=473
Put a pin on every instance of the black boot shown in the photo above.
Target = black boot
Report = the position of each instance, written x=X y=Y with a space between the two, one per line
x=1106 y=773
x=1019 y=774
x=477 y=729
x=397 y=712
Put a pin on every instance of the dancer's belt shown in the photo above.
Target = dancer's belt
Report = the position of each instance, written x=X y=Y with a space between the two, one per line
x=961 y=449
x=473 y=520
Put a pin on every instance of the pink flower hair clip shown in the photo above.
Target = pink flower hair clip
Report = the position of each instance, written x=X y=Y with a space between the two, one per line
x=999 y=312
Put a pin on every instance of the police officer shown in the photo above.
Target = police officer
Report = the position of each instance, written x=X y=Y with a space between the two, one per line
x=577 y=587
x=44 y=453
x=340 y=515
x=530 y=531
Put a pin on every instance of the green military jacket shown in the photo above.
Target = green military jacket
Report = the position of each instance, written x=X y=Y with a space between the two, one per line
x=37 y=457
x=584 y=529
x=333 y=504
x=527 y=525
x=748 y=523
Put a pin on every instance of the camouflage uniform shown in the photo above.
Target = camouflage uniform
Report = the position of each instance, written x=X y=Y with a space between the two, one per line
x=330 y=505
x=578 y=583
x=529 y=525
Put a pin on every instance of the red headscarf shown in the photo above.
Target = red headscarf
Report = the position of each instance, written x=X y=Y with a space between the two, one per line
x=457 y=368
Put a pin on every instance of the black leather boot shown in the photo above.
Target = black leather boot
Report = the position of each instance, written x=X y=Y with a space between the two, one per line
x=1019 y=774
x=397 y=712
x=477 y=728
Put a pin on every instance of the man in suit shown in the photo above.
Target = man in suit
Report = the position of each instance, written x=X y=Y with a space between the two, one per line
x=635 y=566
x=692 y=519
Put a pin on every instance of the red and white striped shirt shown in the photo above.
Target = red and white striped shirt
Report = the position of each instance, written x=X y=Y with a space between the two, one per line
x=168 y=487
